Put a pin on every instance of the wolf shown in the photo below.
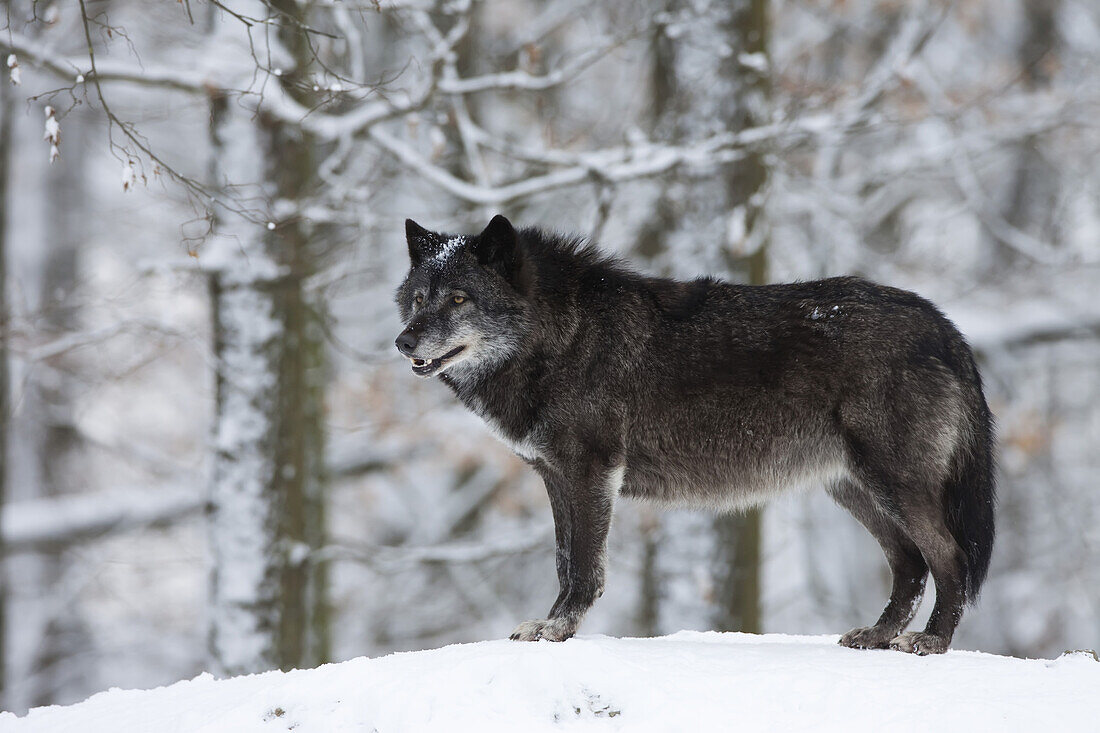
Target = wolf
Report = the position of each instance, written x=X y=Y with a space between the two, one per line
x=610 y=383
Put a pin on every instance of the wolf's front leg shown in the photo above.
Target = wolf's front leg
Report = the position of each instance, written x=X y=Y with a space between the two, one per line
x=582 y=518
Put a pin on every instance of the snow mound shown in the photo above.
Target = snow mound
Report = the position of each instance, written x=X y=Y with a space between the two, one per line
x=685 y=682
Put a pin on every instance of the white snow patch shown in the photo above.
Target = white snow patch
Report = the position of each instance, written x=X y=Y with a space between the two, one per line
x=127 y=176
x=448 y=250
x=687 y=681
x=737 y=229
x=13 y=69
x=755 y=61
x=53 y=129
x=438 y=139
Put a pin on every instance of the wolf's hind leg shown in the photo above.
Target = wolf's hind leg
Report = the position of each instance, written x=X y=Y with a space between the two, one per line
x=927 y=526
x=907 y=566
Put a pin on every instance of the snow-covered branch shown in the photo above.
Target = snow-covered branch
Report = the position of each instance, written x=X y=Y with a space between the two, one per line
x=917 y=28
x=644 y=159
x=966 y=177
x=78 y=69
x=42 y=523
x=998 y=333
x=522 y=80
x=453 y=552
x=26 y=347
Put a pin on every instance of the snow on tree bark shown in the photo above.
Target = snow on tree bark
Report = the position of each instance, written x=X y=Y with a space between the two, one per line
x=267 y=605
x=6 y=108
x=244 y=542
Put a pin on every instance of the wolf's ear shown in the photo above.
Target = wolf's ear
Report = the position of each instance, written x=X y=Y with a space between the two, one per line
x=496 y=248
x=420 y=241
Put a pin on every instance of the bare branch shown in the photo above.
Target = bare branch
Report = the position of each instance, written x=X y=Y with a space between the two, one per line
x=192 y=186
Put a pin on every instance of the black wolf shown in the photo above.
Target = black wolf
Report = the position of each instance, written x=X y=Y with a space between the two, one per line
x=610 y=383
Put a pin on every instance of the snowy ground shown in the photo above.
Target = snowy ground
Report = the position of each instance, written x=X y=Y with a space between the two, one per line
x=685 y=682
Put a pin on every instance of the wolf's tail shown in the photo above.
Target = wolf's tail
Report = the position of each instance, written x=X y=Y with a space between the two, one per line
x=971 y=489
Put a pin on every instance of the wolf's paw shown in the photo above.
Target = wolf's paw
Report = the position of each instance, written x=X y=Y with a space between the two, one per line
x=555 y=629
x=919 y=642
x=867 y=637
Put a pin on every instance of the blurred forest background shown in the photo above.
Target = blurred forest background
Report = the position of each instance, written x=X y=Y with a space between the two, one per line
x=212 y=456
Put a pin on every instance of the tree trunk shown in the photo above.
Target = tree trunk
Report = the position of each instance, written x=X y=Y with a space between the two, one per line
x=6 y=109
x=305 y=634
x=47 y=658
x=1031 y=203
x=65 y=636
x=267 y=595
x=711 y=75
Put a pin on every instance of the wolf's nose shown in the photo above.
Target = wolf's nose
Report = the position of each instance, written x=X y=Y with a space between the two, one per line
x=406 y=342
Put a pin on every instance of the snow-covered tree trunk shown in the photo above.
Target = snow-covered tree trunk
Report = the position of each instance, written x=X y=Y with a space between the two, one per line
x=249 y=334
x=267 y=599
x=711 y=75
x=6 y=110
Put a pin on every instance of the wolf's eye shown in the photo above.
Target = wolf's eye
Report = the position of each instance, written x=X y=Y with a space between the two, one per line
x=459 y=299
x=419 y=299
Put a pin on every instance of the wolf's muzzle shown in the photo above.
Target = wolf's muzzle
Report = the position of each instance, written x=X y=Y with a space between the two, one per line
x=407 y=341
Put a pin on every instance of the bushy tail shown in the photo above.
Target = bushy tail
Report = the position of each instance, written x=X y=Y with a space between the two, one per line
x=971 y=495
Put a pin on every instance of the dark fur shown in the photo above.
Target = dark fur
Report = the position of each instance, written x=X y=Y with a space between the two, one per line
x=609 y=382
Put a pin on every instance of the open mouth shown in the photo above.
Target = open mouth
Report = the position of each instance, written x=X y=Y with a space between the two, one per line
x=427 y=367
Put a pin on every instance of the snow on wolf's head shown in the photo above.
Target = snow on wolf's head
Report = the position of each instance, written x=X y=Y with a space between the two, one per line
x=462 y=302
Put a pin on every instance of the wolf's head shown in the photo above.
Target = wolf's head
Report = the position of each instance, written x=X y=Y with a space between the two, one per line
x=463 y=300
